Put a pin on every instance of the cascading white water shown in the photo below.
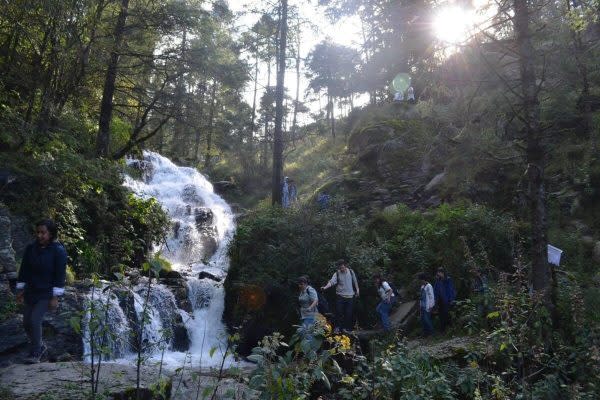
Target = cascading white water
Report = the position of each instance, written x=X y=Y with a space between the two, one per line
x=202 y=227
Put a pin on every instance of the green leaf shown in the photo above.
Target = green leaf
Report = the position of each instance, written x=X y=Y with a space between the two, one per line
x=255 y=358
x=212 y=351
x=494 y=314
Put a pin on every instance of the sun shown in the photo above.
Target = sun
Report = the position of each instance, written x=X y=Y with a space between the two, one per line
x=453 y=24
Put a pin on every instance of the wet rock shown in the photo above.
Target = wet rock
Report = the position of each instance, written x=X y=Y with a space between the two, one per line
x=170 y=274
x=181 y=337
x=203 y=216
x=145 y=168
x=208 y=275
x=190 y=195
x=176 y=227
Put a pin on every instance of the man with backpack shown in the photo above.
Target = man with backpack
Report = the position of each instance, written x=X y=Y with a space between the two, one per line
x=346 y=288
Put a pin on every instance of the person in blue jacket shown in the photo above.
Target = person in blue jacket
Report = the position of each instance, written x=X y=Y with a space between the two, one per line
x=40 y=282
x=444 y=292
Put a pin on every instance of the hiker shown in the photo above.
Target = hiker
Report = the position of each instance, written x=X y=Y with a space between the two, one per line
x=388 y=299
x=308 y=300
x=293 y=191
x=410 y=95
x=40 y=282
x=323 y=200
x=285 y=194
x=444 y=292
x=479 y=287
x=346 y=288
x=427 y=302
x=398 y=97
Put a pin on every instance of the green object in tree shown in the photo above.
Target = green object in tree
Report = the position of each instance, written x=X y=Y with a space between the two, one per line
x=401 y=82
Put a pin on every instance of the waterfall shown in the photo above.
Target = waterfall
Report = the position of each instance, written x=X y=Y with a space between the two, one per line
x=202 y=225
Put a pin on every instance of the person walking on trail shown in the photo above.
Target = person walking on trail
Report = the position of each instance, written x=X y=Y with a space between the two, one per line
x=309 y=300
x=388 y=298
x=346 y=288
x=479 y=287
x=285 y=193
x=444 y=293
x=398 y=97
x=293 y=191
x=427 y=302
x=40 y=282
x=410 y=95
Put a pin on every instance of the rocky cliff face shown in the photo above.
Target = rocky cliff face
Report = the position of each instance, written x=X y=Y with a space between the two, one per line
x=395 y=161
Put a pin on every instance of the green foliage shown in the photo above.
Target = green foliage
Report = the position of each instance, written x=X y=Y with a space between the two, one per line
x=442 y=237
x=101 y=223
x=8 y=307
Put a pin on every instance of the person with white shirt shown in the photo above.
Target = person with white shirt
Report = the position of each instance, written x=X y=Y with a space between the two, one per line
x=386 y=294
x=427 y=302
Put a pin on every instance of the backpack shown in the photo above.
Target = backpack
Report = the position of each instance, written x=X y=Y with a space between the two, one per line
x=394 y=290
x=337 y=277
x=322 y=303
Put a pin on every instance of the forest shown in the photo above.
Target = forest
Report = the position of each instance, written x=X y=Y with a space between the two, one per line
x=164 y=137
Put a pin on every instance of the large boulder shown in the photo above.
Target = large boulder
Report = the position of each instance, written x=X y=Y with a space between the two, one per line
x=63 y=341
x=8 y=265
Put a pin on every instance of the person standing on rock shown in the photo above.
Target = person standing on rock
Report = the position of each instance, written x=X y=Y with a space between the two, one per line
x=346 y=288
x=40 y=281
x=427 y=302
x=387 y=301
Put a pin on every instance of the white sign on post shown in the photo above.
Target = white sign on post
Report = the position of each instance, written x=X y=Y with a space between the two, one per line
x=554 y=254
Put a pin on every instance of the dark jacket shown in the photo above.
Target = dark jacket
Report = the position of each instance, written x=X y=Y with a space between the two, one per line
x=42 y=269
x=444 y=291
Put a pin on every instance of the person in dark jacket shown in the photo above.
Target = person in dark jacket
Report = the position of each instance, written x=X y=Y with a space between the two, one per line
x=40 y=282
x=444 y=292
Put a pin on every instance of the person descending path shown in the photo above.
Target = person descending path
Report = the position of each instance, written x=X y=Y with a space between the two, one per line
x=346 y=288
x=388 y=299
x=410 y=95
x=427 y=303
x=293 y=192
x=444 y=292
x=285 y=193
x=308 y=300
x=40 y=281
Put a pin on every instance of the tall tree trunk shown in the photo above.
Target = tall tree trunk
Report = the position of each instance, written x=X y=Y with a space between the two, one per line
x=200 y=116
x=209 y=129
x=295 y=117
x=278 y=134
x=106 y=106
x=332 y=116
x=179 y=142
x=541 y=274
x=267 y=117
x=254 y=97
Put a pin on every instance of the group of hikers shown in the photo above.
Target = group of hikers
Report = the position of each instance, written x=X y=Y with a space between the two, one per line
x=438 y=298
x=410 y=95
